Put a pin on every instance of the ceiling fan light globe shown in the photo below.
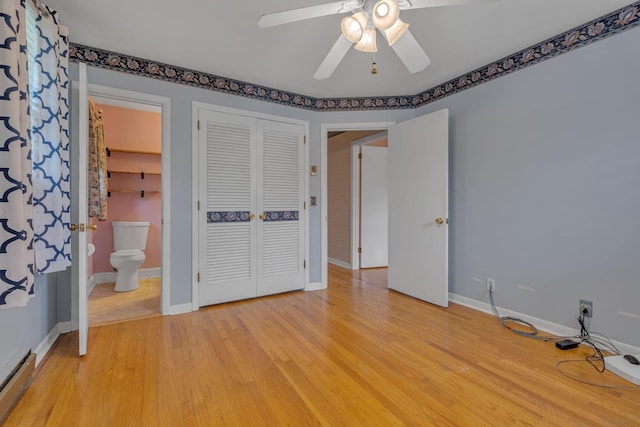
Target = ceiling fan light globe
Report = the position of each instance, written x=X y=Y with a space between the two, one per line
x=353 y=26
x=351 y=29
x=368 y=41
x=385 y=14
x=396 y=31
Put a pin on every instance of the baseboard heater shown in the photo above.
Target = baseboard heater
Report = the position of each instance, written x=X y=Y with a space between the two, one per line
x=12 y=388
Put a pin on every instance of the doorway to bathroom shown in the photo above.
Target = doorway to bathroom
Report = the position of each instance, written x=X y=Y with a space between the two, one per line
x=122 y=285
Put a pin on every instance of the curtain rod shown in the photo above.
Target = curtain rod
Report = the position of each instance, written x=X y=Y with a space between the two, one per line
x=40 y=8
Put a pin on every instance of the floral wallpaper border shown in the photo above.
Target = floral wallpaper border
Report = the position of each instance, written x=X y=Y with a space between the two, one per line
x=616 y=22
x=281 y=216
x=231 y=216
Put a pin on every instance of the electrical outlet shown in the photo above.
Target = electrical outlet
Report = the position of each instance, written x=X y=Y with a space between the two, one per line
x=491 y=284
x=586 y=308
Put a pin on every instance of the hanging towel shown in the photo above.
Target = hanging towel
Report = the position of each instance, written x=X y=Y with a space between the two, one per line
x=97 y=165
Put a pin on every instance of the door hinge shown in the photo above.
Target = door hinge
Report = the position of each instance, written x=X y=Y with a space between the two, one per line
x=360 y=156
x=198 y=204
x=304 y=263
x=198 y=277
x=305 y=205
x=198 y=124
x=305 y=139
x=359 y=250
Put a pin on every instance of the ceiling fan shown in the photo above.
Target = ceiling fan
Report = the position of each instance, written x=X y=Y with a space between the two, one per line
x=360 y=28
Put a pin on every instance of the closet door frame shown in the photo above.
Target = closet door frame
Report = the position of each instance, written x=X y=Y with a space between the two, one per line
x=197 y=177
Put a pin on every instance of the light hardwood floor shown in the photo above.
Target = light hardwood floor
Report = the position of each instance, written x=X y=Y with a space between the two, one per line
x=355 y=354
x=109 y=306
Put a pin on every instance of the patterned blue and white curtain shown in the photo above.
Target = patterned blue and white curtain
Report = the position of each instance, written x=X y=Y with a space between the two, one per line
x=16 y=210
x=34 y=151
x=50 y=143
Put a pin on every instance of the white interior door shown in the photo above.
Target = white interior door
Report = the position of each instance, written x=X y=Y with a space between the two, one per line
x=418 y=207
x=227 y=216
x=280 y=203
x=374 y=207
x=79 y=237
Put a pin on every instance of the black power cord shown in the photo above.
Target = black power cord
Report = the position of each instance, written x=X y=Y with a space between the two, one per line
x=584 y=336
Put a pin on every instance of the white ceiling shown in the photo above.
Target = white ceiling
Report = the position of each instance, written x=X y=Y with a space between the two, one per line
x=221 y=37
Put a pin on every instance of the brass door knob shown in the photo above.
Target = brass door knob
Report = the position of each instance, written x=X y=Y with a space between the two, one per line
x=439 y=221
x=262 y=216
x=73 y=227
x=251 y=216
x=92 y=227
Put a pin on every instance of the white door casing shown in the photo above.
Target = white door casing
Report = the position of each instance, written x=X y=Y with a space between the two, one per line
x=418 y=200
x=149 y=102
x=251 y=188
x=324 y=129
x=373 y=207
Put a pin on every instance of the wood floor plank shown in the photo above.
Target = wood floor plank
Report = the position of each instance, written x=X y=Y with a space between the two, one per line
x=354 y=354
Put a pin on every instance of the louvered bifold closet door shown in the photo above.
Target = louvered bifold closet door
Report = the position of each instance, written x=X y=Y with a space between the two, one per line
x=228 y=250
x=280 y=202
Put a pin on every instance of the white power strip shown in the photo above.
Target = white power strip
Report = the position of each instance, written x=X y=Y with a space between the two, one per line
x=619 y=366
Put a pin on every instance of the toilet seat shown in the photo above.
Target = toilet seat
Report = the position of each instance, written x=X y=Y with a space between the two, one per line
x=127 y=252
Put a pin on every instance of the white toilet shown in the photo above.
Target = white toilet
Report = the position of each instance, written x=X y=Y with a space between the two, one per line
x=129 y=243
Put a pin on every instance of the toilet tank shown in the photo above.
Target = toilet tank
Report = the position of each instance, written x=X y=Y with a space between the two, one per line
x=130 y=235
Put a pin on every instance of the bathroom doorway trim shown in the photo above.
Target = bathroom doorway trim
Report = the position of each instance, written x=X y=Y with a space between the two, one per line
x=165 y=106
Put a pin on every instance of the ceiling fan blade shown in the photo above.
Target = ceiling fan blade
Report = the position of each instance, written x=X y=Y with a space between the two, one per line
x=293 y=15
x=333 y=58
x=410 y=53
x=419 y=4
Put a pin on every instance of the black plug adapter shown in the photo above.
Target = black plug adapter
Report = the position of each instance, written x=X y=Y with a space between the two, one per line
x=567 y=344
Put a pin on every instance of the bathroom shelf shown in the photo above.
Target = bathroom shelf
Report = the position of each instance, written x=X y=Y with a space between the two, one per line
x=123 y=150
x=141 y=192
x=141 y=173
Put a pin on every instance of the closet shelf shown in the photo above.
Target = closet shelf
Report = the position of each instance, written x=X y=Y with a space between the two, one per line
x=141 y=173
x=123 y=150
x=141 y=192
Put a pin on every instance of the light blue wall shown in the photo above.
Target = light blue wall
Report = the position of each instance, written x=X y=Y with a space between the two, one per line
x=181 y=152
x=24 y=328
x=545 y=179
x=544 y=182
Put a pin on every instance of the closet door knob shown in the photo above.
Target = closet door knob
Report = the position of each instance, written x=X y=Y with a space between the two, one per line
x=92 y=227
x=251 y=216
x=73 y=227
x=262 y=216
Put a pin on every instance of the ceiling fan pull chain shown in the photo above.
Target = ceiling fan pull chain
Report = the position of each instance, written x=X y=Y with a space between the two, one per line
x=374 y=70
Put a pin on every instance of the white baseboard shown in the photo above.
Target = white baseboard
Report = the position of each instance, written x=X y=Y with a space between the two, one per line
x=91 y=283
x=314 y=286
x=110 y=276
x=541 y=324
x=48 y=341
x=339 y=263
x=145 y=273
x=180 y=309
x=106 y=277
